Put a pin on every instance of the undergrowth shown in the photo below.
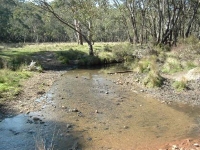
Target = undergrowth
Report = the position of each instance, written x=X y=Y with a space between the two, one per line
x=180 y=85
x=10 y=82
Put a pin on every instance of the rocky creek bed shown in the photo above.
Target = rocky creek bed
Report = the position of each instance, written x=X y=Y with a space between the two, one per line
x=76 y=109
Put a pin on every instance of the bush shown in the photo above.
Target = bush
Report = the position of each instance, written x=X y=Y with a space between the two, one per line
x=71 y=54
x=107 y=57
x=180 y=85
x=146 y=64
x=107 y=48
x=17 y=61
x=63 y=59
x=191 y=40
x=89 y=61
x=172 y=65
x=190 y=65
x=153 y=79
x=121 y=52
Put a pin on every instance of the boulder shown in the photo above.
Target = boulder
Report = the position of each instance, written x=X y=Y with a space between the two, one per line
x=193 y=74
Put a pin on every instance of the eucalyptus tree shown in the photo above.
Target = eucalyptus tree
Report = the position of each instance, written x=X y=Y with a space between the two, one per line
x=193 y=11
x=83 y=11
x=128 y=9
x=6 y=7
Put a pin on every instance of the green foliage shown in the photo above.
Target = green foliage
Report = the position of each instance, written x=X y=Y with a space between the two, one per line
x=180 y=85
x=190 y=65
x=107 y=57
x=122 y=51
x=10 y=82
x=71 y=54
x=191 y=40
x=18 y=60
x=153 y=79
x=89 y=61
x=171 y=65
x=146 y=64
x=143 y=66
x=107 y=48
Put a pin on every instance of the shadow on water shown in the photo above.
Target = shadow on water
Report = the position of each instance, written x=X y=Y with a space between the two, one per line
x=34 y=131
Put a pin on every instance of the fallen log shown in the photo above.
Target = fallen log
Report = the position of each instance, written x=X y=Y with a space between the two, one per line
x=127 y=71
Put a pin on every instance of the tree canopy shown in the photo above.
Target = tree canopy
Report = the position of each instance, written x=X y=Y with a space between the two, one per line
x=136 y=21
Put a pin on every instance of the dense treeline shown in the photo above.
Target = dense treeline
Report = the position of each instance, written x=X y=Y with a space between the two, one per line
x=137 y=21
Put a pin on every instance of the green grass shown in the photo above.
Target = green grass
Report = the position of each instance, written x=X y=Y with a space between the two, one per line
x=10 y=82
x=15 y=57
x=153 y=79
x=172 y=65
x=180 y=85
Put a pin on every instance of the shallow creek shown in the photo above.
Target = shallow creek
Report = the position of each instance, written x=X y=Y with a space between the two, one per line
x=86 y=109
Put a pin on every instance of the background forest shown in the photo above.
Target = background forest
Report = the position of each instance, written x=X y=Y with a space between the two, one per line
x=136 y=21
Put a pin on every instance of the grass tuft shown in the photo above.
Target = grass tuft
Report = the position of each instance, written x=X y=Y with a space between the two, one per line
x=180 y=85
x=10 y=82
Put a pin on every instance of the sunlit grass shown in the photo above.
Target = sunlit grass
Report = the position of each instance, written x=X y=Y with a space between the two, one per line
x=15 y=57
x=10 y=82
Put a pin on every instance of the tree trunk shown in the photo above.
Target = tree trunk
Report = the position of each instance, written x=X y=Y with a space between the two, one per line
x=192 y=19
x=91 y=51
x=79 y=37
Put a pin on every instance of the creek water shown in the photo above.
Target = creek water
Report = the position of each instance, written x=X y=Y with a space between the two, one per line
x=86 y=109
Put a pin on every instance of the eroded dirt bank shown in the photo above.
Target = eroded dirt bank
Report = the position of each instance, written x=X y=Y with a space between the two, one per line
x=86 y=109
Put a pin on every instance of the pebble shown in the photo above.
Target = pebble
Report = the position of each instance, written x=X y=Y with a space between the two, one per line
x=125 y=127
x=96 y=111
x=36 y=119
x=69 y=126
x=75 y=110
x=63 y=107
x=22 y=105
x=31 y=131
x=196 y=144
x=89 y=139
x=174 y=147
x=79 y=114
x=28 y=112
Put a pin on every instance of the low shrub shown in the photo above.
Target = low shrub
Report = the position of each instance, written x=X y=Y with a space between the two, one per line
x=146 y=64
x=180 y=85
x=190 y=65
x=171 y=65
x=153 y=79
x=122 y=51
x=89 y=61
x=107 y=57
x=191 y=40
x=107 y=48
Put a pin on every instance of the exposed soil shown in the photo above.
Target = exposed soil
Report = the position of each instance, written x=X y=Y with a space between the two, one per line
x=40 y=83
